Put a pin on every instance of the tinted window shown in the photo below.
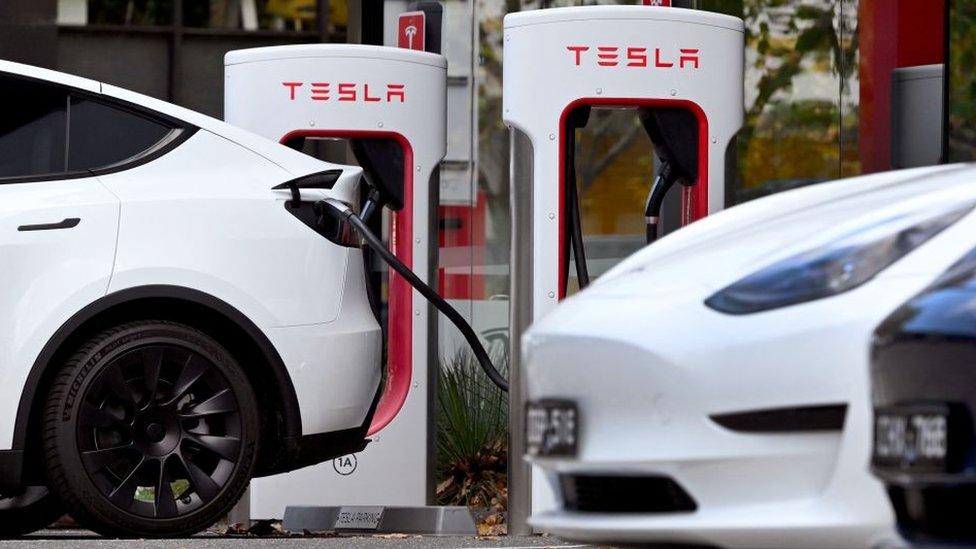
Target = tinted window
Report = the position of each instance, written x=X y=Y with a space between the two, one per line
x=32 y=128
x=102 y=135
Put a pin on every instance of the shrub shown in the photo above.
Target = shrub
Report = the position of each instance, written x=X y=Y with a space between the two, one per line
x=472 y=435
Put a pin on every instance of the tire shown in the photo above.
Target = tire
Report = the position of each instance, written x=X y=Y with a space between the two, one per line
x=151 y=429
x=28 y=511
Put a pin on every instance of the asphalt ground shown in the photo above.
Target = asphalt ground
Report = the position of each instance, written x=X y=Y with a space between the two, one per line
x=81 y=539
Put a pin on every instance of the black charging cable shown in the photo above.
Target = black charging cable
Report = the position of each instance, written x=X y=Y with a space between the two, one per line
x=663 y=182
x=326 y=207
x=574 y=234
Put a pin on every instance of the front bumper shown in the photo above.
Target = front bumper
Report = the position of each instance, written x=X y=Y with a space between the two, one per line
x=649 y=375
x=774 y=526
x=923 y=355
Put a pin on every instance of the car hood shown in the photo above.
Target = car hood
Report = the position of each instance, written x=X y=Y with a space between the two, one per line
x=722 y=248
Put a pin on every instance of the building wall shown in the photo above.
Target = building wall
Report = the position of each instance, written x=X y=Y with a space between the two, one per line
x=169 y=49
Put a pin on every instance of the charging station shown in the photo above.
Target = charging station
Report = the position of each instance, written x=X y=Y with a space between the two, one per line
x=390 y=104
x=681 y=69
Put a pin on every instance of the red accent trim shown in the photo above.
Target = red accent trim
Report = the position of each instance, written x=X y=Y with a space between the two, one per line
x=694 y=200
x=891 y=35
x=400 y=343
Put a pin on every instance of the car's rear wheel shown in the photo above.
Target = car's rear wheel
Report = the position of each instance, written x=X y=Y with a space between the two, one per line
x=150 y=430
x=28 y=510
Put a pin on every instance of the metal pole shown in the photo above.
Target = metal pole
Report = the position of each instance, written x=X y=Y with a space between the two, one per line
x=520 y=316
x=174 y=80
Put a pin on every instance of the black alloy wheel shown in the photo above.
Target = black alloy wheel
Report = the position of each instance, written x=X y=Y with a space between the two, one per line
x=151 y=430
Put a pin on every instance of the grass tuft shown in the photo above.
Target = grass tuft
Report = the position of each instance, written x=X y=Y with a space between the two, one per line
x=472 y=438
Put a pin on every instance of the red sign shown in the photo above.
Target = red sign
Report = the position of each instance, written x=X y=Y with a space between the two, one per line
x=410 y=30
x=666 y=3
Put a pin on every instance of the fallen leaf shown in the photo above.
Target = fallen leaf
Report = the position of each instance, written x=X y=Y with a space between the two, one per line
x=445 y=485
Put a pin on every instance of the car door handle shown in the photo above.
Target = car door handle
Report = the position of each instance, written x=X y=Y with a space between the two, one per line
x=68 y=223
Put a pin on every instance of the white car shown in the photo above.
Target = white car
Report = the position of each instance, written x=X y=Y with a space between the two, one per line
x=174 y=321
x=713 y=388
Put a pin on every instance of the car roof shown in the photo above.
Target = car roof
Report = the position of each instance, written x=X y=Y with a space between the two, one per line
x=290 y=160
x=65 y=79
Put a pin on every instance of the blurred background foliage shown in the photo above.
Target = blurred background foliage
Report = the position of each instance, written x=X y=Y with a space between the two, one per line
x=962 y=81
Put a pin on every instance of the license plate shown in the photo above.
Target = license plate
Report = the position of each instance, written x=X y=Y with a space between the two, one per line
x=551 y=428
x=912 y=438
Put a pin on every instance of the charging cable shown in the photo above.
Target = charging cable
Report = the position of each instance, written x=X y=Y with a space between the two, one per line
x=655 y=198
x=343 y=214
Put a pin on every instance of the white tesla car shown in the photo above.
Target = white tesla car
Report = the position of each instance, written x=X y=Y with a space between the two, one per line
x=713 y=388
x=175 y=320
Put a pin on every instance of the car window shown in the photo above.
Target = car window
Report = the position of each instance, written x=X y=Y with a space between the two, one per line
x=102 y=135
x=32 y=128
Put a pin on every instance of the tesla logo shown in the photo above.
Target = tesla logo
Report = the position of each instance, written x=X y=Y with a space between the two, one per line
x=633 y=56
x=345 y=91
x=410 y=28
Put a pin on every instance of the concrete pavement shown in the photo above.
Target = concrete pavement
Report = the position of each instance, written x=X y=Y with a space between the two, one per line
x=80 y=539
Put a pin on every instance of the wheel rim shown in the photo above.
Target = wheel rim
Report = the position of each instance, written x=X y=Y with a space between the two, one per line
x=159 y=431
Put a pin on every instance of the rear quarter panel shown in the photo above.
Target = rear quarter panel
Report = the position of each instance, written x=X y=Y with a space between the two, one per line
x=204 y=217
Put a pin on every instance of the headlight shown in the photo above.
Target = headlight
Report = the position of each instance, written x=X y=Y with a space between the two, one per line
x=836 y=267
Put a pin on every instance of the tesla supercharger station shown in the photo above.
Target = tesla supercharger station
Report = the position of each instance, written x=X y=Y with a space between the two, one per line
x=368 y=93
x=557 y=61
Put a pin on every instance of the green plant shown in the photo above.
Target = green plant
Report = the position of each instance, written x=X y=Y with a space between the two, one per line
x=472 y=435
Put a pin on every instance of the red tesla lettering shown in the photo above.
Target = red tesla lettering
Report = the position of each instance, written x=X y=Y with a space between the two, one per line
x=396 y=90
x=689 y=56
x=607 y=56
x=291 y=88
x=657 y=59
x=320 y=91
x=366 y=96
x=347 y=91
x=579 y=52
x=636 y=57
